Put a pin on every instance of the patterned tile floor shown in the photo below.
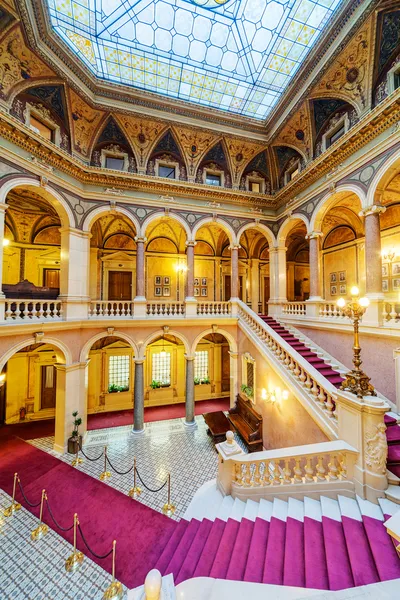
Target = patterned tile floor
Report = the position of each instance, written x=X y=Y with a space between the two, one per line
x=35 y=570
x=166 y=446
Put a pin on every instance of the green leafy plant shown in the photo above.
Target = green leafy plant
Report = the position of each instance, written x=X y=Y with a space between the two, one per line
x=247 y=390
x=113 y=387
x=155 y=384
x=197 y=381
x=77 y=422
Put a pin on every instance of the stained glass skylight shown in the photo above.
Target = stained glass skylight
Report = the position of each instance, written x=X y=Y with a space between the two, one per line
x=235 y=55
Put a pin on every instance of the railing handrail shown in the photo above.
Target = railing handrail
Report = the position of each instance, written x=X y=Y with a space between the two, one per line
x=336 y=446
x=51 y=300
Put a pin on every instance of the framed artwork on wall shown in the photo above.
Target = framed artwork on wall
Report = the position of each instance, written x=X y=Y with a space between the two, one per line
x=333 y=277
x=158 y=291
x=158 y=280
x=385 y=285
x=396 y=284
x=333 y=290
x=204 y=281
x=166 y=290
x=196 y=281
x=167 y=281
x=342 y=288
x=395 y=268
x=342 y=275
x=385 y=270
x=204 y=291
x=197 y=291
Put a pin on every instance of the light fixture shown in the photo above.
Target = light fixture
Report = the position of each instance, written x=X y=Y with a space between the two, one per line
x=285 y=395
x=274 y=395
x=6 y=242
x=389 y=254
x=2 y=378
x=181 y=268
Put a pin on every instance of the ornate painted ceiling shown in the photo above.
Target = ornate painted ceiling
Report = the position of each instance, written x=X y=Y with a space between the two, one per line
x=234 y=55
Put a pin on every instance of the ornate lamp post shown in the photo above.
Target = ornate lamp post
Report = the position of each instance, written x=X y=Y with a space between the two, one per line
x=356 y=381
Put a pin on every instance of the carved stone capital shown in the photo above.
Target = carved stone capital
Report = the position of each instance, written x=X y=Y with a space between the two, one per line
x=313 y=235
x=374 y=209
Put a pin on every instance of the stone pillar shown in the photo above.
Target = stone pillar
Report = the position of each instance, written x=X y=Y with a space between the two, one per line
x=396 y=356
x=71 y=395
x=74 y=273
x=361 y=425
x=3 y=208
x=138 y=397
x=277 y=274
x=233 y=377
x=234 y=272
x=290 y=280
x=191 y=302
x=373 y=264
x=255 y=284
x=313 y=303
x=140 y=298
x=189 y=402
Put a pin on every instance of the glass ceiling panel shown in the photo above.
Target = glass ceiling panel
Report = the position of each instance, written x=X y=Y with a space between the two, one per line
x=235 y=55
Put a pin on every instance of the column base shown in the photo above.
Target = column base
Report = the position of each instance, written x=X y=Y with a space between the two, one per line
x=138 y=432
x=139 y=306
x=373 y=314
x=190 y=424
x=74 y=307
x=191 y=306
x=313 y=306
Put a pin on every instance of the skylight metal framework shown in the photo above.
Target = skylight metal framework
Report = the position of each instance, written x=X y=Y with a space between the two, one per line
x=237 y=56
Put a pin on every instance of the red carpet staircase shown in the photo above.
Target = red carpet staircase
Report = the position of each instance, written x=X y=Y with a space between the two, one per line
x=327 y=544
x=393 y=440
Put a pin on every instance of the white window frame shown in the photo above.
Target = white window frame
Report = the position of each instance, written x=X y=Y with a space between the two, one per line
x=221 y=175
x=290 y=170
x=196 y=368
x=153 y=366
x=327 y=136
x=159 y=162
x=114 y=153
x=46 y=119
x=247 y=358
x=395 y=70
x=128 y=362
x=254 y=179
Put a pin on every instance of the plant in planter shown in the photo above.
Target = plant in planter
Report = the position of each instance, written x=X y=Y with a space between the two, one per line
x=155 y=384
x=75 y=438
x=197 y=381
x=113 y=387
x=247 y=390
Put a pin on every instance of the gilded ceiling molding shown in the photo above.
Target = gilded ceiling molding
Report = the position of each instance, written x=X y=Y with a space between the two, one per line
x=239 y=154
x=143 y=135
x=195 y=145
x=297 y=132
x=86 y=122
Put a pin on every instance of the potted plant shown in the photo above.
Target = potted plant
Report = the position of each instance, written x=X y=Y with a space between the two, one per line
x=75 y=437
x=247 y=390
x=155 y=384
x=113 y=388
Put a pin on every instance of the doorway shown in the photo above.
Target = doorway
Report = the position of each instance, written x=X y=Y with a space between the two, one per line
x=48 y=387
x=120 y=285
x=227 y=287
x=266 y=294
x=51 y=278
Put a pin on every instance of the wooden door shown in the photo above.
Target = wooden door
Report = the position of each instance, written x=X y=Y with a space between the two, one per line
x=51 y=278
x=241 y=288
x=225 y=369
x=227 y=287
x=120 y=285
x=48 y=387
x=266 y=294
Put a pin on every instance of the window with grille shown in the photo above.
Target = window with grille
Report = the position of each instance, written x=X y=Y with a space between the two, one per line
x=201 y=365
x=161 y=368
x=250 y=374
x=118 y=373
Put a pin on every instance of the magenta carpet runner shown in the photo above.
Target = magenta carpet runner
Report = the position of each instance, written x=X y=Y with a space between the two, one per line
x=104 y=513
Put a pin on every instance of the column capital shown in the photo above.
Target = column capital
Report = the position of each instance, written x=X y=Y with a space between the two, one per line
x=138 y=361
x=189 y=357
x=374 y=209
x=234 y=247
x=3 y=207
x=314 y=235
x=77 y=232
x=233 y=354
x=276 y=249
x=140 y=239
x=190 y=243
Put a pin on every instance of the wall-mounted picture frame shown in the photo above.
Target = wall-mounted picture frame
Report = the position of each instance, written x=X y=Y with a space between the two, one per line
x=158 y=280
x=385 y=285
x=395 y=268
x=166 y=290
x=196 y=281
x=158 y=291
x=343 y=288
x=197 y=291
x=204 y=291
x=333 y=290
x=396 y=284
x=204 y=281
x=167 y=281
x=385 y=270
x=342 y=276
x=333 y=277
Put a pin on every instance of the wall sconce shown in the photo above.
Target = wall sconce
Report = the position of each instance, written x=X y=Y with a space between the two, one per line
x=274 y=395
x=181 y=268
x=6 y=242
x=2 y=379
x=389 y=254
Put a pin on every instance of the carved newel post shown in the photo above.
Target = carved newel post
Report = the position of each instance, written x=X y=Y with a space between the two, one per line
x=226 y=451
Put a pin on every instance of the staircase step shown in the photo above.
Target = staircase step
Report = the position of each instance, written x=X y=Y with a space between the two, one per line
x=316 y=573
x=388 y=507
x=265 y=509
x=225 y=509
x=210 y=549
x=294 y=570
x=220 y=565
x=361 y=559
x=393 y=435
x=275 y=554
x=251 y=510
x=390 y=419
x=393 y=455
x=337 y=558
x=257 y=549
x=183 y=548
x=193 y=555
x=171 y=546
x=238 y=509
x=385 y=556
x=393 y=493
x=240 y=552
x=393 y=477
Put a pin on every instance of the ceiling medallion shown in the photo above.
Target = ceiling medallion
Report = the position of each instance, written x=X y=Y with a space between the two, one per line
x=209 y=3
x=352 y=74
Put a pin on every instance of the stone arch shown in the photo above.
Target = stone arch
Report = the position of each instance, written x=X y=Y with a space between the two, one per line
x=329 y=200
x=61 y=206
x=160 y=215
x=102 y=211
x=117 y=334
x=260 y=227
x=58 y=344
x=288 y=225
x=157 y=334
x=293 y=147
x=229 y=337
x=337 y=95
x=177 y=142
x=383 y=175
x=221 y=222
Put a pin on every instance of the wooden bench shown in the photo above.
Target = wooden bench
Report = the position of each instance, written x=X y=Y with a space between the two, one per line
x=218 y=425
x=248 y=423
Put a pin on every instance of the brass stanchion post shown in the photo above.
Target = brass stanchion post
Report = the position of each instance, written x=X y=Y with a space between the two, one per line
x=74 y=561
x=14 y=506
x=42 y=528
x=77 y=460
x=135 y=491
x=114 y=590
x=105 y=474
x=169 y=509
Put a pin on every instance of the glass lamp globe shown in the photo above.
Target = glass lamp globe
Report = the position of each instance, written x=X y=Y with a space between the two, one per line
x=364 y=302
x=354 y=291
x=341 y=303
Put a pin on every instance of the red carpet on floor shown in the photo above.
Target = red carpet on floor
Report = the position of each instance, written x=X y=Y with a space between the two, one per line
x=104 y=513
x=31 y=430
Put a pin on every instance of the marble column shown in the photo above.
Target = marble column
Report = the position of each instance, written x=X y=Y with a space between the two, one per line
x=315 y=264
x=138 y=397
x=277 y=273
x=234 y=272
x=290 y=275
x=373 y=258
x=3 y=208
x=191 y=302
x=255 y=283
x=233 y=377
x=71 y=395
x=140 y=298
x=189 y=402
x=74 y=273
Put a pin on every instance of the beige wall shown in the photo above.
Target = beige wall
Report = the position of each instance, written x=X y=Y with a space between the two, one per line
x=286 y=422
x=350 y=258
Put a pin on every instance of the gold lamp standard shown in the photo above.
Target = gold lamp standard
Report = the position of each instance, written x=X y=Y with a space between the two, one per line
x=356 y=381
